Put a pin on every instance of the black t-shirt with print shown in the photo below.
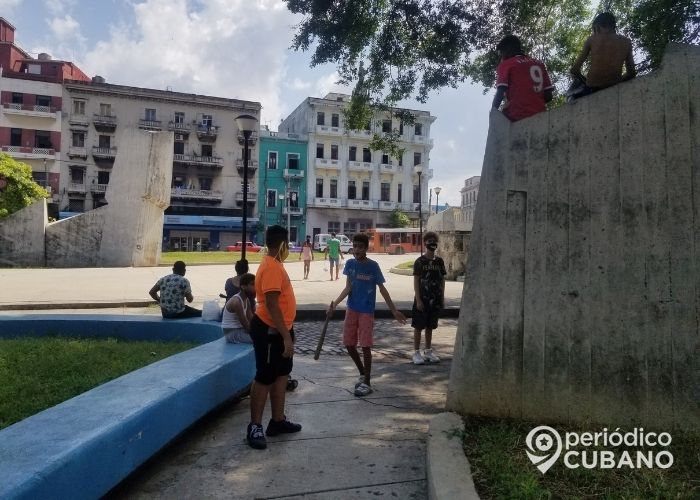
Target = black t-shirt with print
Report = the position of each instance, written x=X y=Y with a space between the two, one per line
x=432 y=276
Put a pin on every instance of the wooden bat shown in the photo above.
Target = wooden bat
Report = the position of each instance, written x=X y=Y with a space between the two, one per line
x=317 y=353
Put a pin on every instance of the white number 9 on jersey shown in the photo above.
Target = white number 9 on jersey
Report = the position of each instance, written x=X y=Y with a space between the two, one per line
x=537 y=78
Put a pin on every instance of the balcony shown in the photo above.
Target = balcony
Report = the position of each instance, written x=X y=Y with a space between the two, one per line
x=421 y=139
x=207 y=133
x=387 y=205
x=77 y=152
x=20 y=152
x=196 y=195
x=326 y=202
x=252 y=166
x=293 y=173
x=11 y=108
x=199 y=161
x=361 y=134
x=76 y=188
x=253 y=138
x=361 y=204
x=329 y=164
x=106 y=123
x=78 y=121
x=388 y=168
x=360 y=166
x=252 y=195
x=179 y=128
x=98 y=189
x=99 y=153
x=150 y=124
x=413 y=207
x=326 y=130
x=293 y=211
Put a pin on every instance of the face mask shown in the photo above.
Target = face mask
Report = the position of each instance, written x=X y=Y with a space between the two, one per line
x=284 y=252
x=431 y=246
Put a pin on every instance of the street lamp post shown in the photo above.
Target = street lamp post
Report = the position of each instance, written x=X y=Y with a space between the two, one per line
x=437 y=198
x=246 y=124
x=419 y=171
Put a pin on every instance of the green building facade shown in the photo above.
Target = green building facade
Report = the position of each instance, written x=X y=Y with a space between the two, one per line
x=282 y=182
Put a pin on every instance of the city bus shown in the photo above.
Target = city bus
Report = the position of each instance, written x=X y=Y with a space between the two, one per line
x=394 y=240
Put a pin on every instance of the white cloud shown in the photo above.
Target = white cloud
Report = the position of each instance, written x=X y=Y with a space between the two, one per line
x=57 y=7
x=7 y=6
x=328 y=83
x=64 y=28
x=298 y=84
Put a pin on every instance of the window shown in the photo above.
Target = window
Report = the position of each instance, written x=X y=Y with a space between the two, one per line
x=352 y=153
x=16 y=137
x=17 y=98
x=385 y=159
x=364 y=226
x=105 y=109
x=205 y=183
x=272 y=160
x=416 y=194
x=386 y=126
x=76 y=205
x=103 y=177
x=294 y=199
x=399 y=193
x=320 y=118
x=416 y=159
x=386 y=188
x=368 y=125
x=293 y=161
x=319 y=150
x=150 y=114
x=335 y=120
x=271 y=198
x=334 y=188
x=207 y=121
x=334 y=151
x=352 y=190
x=333 y=226
x=42 y=139
x=78 y=107
x=207 y=150
x=43 y=100
x=179 y=117
x=349 y=229
x=250 y=157
x=319 y=188
x=401 y=128
x=419 y=128
x=78 y=139
x=105 y=141
x=179 y=181
x=366 y=155
x=179 y=148
x=77 y=175
x=365 y=190
x=401 y=161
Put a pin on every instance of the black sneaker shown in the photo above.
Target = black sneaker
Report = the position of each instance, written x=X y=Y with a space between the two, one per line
x=283 y=427
x=256 y=437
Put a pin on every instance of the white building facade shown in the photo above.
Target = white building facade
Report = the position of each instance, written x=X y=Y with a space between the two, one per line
x=470 y=193
x=350 y=188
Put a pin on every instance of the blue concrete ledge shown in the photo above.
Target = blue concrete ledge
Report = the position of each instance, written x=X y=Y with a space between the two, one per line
x=85 y=446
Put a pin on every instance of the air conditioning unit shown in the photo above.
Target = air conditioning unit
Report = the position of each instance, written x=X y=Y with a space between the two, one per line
x=179 y=137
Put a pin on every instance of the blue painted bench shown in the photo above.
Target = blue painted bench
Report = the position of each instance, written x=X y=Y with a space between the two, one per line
x=85 y=446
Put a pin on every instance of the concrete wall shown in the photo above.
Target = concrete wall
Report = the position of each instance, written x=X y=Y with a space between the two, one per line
x=22 y=236
x=581 y=297
x=127 y=231
x=455 y=233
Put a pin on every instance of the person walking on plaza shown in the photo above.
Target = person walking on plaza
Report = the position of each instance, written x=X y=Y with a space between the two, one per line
x=174 y=289
x=334 y=254
x=235 y=321
x=307 y=253
x=429 y=288
x=523 y=81
x=363 y=278
x=272 y=332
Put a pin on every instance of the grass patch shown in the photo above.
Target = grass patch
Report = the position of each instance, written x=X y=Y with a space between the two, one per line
x=501 y=469
x=38 y=373
x=169 y=258
x=406 y=265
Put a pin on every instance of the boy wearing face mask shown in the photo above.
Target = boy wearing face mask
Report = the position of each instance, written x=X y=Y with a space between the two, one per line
x=429 y=288
x=272 y=332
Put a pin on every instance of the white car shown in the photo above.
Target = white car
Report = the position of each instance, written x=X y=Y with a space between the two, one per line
x=321 y=239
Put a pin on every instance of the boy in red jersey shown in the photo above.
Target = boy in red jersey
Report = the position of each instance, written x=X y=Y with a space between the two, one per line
x=522 y=80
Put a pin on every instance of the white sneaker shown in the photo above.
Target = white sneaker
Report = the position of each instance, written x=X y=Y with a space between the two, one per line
x=430 y=356
x=418 y=358
x=363 y=390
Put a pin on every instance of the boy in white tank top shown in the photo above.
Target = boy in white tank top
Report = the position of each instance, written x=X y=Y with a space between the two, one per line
x=238 y=312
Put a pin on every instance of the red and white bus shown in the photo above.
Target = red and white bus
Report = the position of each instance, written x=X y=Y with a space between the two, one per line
x=394 y=240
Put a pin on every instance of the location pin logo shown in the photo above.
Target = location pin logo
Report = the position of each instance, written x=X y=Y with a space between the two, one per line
x=543 y=447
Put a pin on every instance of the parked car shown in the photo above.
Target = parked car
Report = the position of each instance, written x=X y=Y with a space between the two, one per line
x=321 y=239
x=250 y=247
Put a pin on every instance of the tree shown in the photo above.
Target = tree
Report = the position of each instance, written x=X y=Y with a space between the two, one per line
x=20 y=188
x=399 y=218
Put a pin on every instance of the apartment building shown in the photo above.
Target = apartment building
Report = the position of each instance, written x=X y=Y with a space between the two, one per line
x=31 y=101
x=207 y=183
x=282 y=179
x=350 y=187
x=470 y=193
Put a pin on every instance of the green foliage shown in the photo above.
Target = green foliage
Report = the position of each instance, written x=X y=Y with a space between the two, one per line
x=399 y=218
x=21 y=190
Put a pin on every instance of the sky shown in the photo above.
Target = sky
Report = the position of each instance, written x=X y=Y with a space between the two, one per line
x=235 y=49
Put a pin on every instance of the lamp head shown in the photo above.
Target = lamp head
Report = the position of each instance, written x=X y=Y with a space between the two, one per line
x=418 y=169
x=246 y=123
x=437 y=190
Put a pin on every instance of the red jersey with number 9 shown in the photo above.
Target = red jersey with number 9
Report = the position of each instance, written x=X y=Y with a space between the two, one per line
x=525 y=80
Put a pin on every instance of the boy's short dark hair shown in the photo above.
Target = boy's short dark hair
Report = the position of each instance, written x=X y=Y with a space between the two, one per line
x=605 y=20
x=431 y=235
x=241 y=267
x=247 y=279
x=275 y=235
x=179 y=267
x=510 y=44
x=332 y=234
x=361 y=238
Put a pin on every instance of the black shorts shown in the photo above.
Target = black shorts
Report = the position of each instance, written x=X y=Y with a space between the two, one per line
x=269 y=346
x=428 y=318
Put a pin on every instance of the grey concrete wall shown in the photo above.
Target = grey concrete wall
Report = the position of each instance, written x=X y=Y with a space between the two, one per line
x=453 y=245
x=129 y=229
x=22 y=237
x=581 y=297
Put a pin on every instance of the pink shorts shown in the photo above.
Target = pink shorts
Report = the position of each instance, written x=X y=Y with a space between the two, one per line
x=358 y=329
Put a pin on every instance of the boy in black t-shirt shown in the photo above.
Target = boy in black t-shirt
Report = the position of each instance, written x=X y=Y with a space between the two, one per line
x=429 y=286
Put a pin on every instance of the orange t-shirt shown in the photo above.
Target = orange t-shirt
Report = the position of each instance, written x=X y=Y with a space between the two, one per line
x=273 y=277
